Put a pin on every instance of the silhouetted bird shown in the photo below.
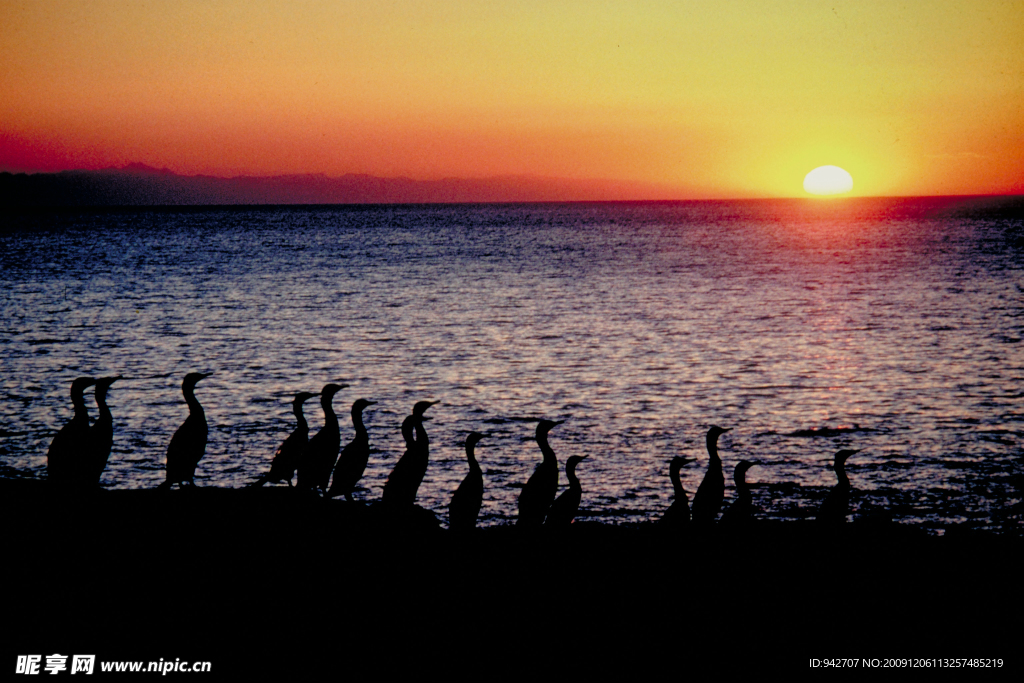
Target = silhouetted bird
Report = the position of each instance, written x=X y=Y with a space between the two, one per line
x=678 y=514
x=708 y=499
x=286 y=459
x=69 y=451
x=564 y=509
x=352 y=461
x=318 y=458
x=741 y=510
x=101 y=435
x=188 y=445
x=404 y=481
x=465 y=505
x=539 y=493
x=833 y=509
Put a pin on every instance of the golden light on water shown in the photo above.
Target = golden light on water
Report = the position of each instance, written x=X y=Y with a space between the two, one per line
x=828 y=180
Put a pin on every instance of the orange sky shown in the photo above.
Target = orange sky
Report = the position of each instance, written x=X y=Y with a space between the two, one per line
x=708 y=99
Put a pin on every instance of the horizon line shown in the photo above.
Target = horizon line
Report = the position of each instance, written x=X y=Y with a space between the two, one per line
x=135 y=167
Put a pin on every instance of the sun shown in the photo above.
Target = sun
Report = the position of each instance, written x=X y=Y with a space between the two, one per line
x=828 y=180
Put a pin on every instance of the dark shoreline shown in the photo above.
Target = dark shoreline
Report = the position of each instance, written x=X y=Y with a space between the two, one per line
x=264 y=583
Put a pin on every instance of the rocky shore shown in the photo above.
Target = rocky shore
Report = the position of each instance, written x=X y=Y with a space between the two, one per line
x=265 y=583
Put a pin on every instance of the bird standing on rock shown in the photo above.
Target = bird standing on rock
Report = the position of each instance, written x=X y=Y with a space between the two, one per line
x=465 y=505
x=678 y=514
x=742 y=509
x=353 y=459
x=101 y=435
x=68 y=451
x=708 y=500
x=564 y=509
x=188 y=445
x=833 y=509
x=539 y=493
x=404 y=481
x=321 y=452
x=286 y=459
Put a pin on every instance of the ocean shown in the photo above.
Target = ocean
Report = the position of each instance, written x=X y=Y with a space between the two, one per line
x=888 y=325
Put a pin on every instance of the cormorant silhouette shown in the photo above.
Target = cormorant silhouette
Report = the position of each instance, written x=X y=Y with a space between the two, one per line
x=286 y=458
x=678 y=514
x=539 y=493
x=465 y=505
x=708 y=499
x=741 y=510
x=188 y=445
x=564 y=509
x=321 y=452
x=68 y=453
x=404 y=481
x=352 y=461
x=101 y=435
x=833 y=509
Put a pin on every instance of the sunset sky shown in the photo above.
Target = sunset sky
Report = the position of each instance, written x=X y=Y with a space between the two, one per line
x=705 y=99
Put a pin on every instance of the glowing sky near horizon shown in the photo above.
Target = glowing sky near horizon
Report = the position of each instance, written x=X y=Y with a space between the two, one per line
x=706 y=99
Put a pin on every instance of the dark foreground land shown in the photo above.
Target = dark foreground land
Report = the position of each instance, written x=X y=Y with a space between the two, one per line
x=272 y=586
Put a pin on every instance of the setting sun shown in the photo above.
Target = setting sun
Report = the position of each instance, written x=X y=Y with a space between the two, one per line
x=828 y=180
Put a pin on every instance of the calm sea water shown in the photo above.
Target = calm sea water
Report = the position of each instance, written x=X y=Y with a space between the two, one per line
x=638 y=324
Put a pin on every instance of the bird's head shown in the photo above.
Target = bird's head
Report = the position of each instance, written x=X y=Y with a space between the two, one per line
x=472 y=439
x=545 y=426
x=679 y=462
x=329 y=390
x=103 y=384
x=192 y=379
x=716 y=432
x=842 y=455
x=360 y=404
x=421 y=407
x=570 y=464
x=302 y=397
x=81 y=384
x=743 y=466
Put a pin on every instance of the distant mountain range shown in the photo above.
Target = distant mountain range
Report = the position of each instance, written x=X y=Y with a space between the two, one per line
x=140 y=185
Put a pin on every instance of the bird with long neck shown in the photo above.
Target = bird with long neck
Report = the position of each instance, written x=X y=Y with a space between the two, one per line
x=404 y=481
x=318 y=458
x=741 y=510
x=708 y=499
x=465 y=505
x=286 y=458
x=678 y=514
x=101 y=434
x=188 y=445
x=834 y=507
x=565 y=507
x=68 y=451
x=539 y=493
x=353 y=458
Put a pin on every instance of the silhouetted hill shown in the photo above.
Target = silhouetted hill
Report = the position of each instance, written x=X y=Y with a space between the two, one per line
x=140 y=185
